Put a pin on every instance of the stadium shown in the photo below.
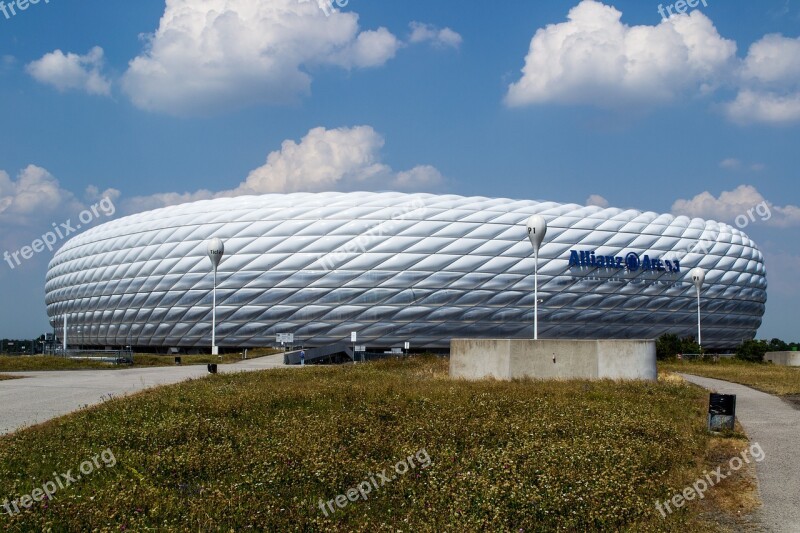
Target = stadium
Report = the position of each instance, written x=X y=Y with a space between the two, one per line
x=399 y=267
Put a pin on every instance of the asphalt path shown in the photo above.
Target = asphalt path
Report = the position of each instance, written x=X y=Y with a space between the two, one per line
x=775 y=426
x=43 y=395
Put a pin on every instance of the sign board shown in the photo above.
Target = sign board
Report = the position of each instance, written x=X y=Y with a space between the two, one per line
x=360 y=348
x=287 y=338
x=407 y=345
x=353 y=336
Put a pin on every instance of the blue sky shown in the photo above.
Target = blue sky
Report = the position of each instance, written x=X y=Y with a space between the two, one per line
x=151 y=105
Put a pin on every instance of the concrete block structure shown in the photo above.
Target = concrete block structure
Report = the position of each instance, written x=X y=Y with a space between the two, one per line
x=507 y=359
x=783 y=358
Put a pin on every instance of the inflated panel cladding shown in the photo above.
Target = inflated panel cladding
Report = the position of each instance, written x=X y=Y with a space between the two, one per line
x=396 y=267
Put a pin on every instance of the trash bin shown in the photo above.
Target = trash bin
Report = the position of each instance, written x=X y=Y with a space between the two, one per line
x=177 y=360
x=721 y=411
x=212 y=368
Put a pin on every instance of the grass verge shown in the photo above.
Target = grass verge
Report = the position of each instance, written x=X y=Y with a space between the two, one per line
x=28 y=364
x=260 y=451
x=773 y=379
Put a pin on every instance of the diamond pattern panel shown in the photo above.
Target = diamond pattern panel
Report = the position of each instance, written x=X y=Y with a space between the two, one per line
x=396 y=267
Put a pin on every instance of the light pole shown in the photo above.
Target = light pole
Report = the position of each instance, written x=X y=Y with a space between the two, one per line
x=698 y=277
x=537 y=228
x=215 y=250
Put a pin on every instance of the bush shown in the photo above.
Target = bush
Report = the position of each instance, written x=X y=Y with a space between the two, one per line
x=667 y=346
x=689 y=345
x=752 y=350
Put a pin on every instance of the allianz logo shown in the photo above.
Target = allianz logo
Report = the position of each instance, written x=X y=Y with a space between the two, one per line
x=632 y=262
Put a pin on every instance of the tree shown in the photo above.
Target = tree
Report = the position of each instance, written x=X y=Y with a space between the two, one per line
x=689 y=345
x=777 y=345
x=667 y=345
x=752 y=350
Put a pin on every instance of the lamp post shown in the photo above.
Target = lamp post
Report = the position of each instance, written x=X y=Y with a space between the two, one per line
x=698 y=277
x=537 y=228
x=64 y=347
x=215 y=251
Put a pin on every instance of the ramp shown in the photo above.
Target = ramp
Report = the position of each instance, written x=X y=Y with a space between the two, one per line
x=340 y=351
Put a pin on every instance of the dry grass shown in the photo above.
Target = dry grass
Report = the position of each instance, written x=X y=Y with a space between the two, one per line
x=773 y=379
x=258 y=451
x=40 y=362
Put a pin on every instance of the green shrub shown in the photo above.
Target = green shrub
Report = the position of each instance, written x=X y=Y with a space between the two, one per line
x=752 y=350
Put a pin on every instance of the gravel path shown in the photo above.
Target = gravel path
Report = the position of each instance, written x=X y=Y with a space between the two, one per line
x=775 y=425
x=41 y=396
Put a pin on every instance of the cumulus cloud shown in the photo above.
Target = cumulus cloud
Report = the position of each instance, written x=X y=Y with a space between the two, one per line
x=34 y=192
x=442 y=38
x=764 y=106
x=740 y=204
x=769 y=80
x=72 y=71
x=595 y=59
x=597 y=200
x=324 y=159
x=212 y=54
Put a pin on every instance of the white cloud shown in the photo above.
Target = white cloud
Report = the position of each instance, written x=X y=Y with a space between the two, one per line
x=595 y=59
x=422 y=176
x=764 y=106
x=597 y=200
x=744 y=203
x=443 y=38
x=324 y=159
x=137 y=204
x=731 y=163
x=72 y=71
x=212 y=54
x=327 y=159
x=35 y=192
x=321 y=160
x=769 y=81
x=773 y=59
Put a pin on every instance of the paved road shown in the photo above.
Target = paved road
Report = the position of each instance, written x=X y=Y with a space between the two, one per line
x=775 y=425
x=41 y=396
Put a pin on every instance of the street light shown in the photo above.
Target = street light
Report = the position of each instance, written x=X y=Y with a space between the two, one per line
x=537 y=228
x=215 y=250
x=698 y=277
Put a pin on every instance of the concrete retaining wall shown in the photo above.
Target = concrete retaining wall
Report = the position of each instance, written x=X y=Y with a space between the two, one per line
x=783 y=358
x=552 y=359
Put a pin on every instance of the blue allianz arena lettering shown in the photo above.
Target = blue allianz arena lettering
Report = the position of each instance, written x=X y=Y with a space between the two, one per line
x=632 y=262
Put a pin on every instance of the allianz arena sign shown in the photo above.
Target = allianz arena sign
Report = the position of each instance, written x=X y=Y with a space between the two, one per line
x=631 y=262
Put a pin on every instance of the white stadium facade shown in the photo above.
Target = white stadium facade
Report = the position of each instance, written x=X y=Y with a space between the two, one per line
x=400 y=267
